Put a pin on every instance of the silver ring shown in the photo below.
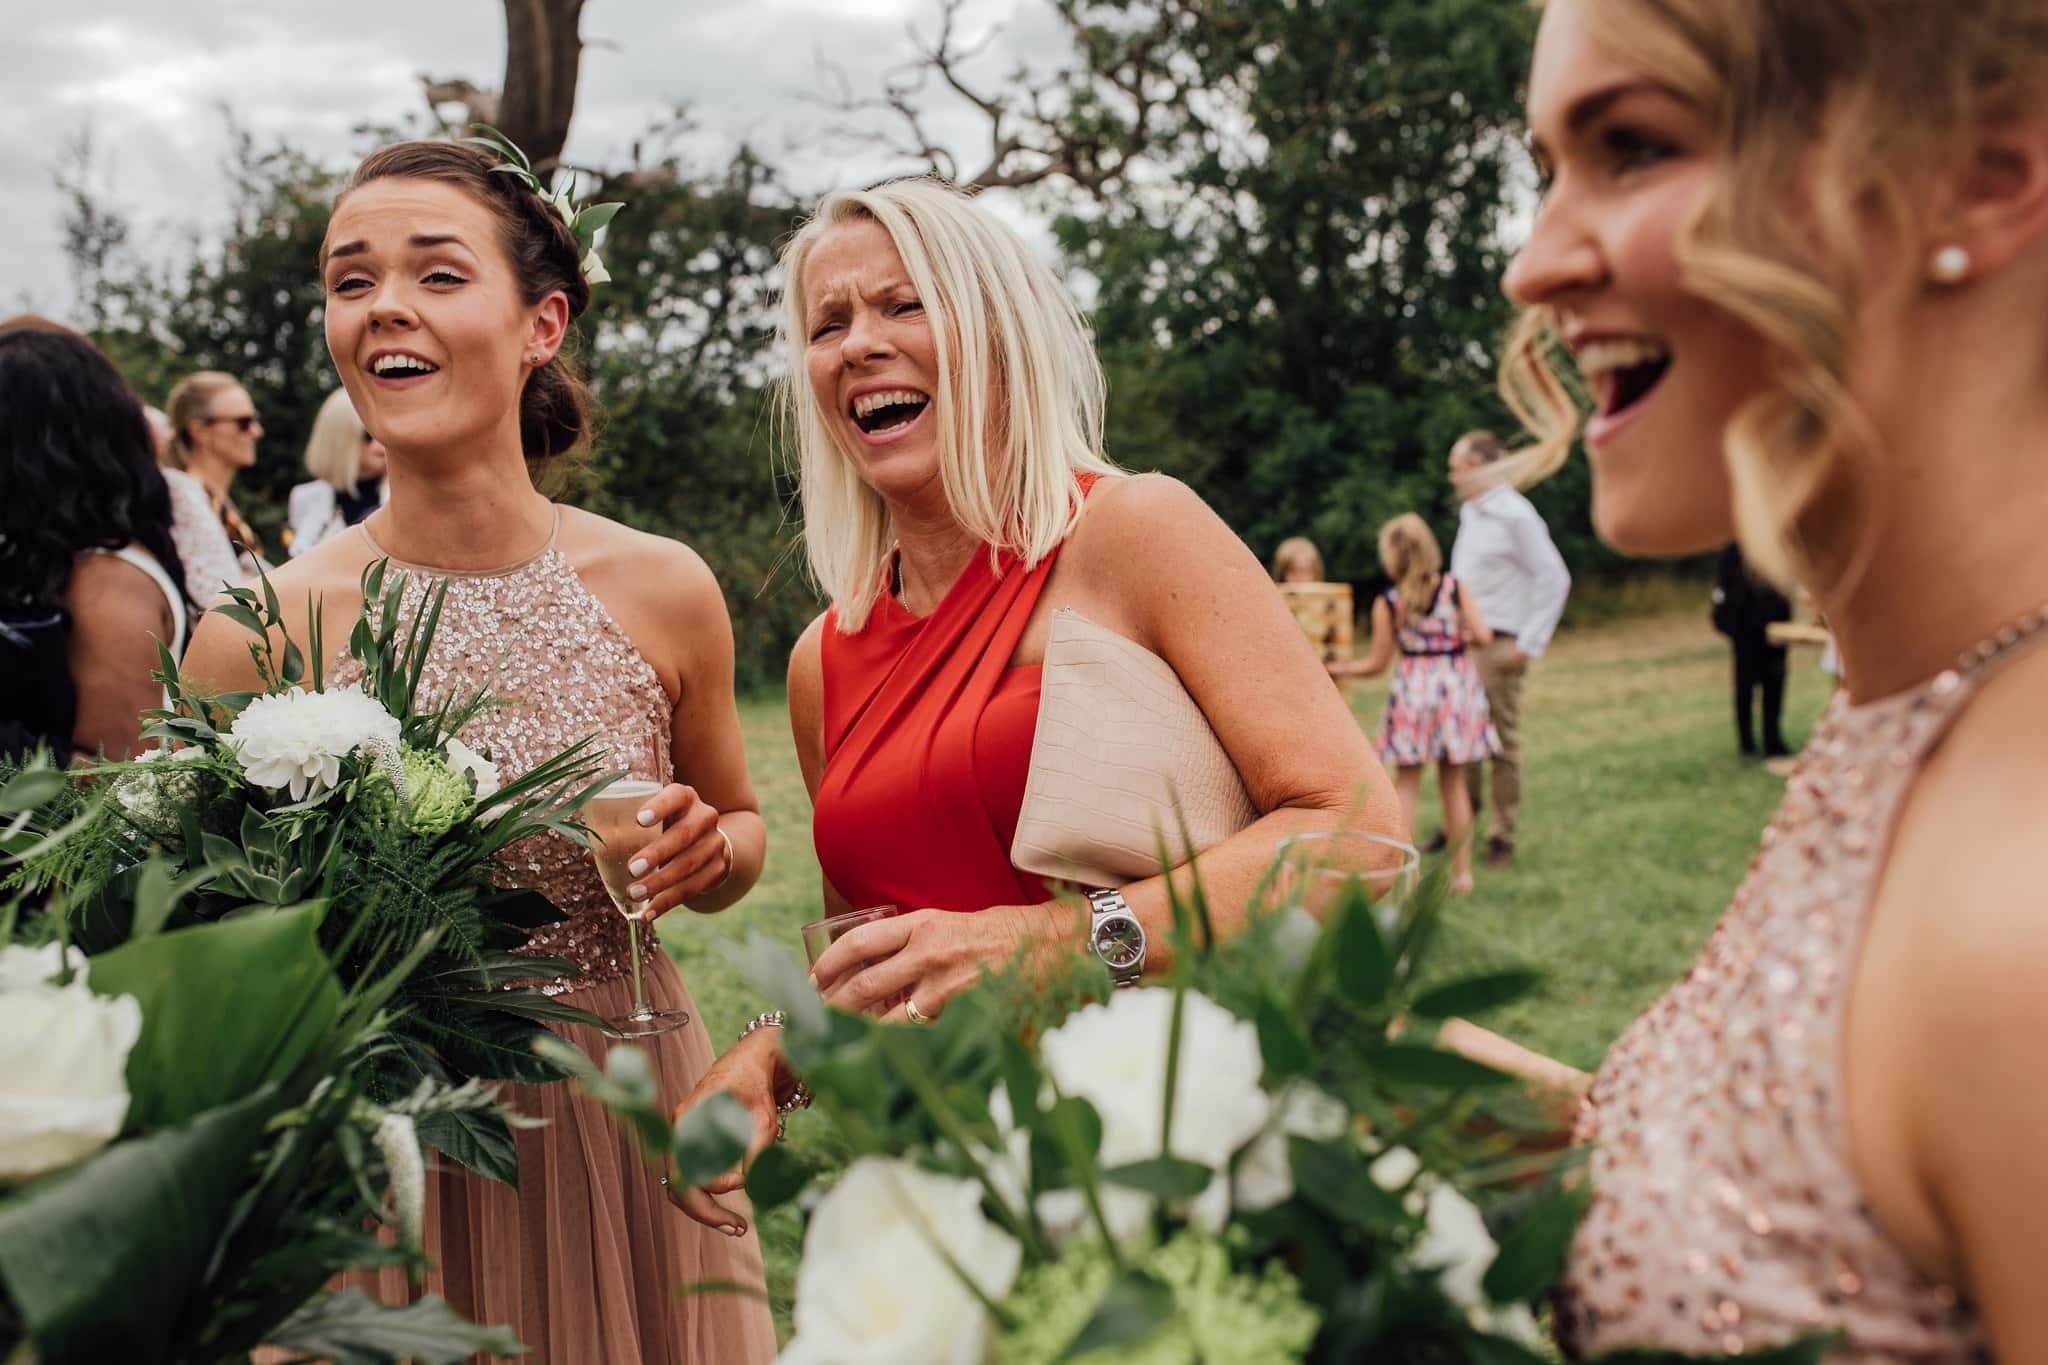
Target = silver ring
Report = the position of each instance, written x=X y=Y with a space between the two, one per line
x=664 y=1182
x=914 y=1014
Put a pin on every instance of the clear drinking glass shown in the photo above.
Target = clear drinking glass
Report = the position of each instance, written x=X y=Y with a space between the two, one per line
x=613 y=815
x=1315 y=869
x=820 y=934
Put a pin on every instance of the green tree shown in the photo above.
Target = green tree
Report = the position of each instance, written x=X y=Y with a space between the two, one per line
x=1290 y=214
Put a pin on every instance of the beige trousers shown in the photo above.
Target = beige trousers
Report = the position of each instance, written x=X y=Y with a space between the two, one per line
x=1504 y=699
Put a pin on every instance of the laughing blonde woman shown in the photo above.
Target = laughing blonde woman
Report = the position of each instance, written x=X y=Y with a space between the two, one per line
x=946 y=405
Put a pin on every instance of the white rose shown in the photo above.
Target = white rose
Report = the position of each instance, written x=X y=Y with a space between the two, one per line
x=63 y=1065
x=464 y=759
x=872 y=1290
x=1265 y=1173
x=1114 y=1056
x=1456 y=1243
x=24 y=968
x=296 y=740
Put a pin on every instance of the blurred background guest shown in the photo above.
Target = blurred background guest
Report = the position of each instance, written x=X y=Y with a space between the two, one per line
x=347 y=465
x=1297 y=560
x=90 y=580
x=214 y=430
x=1506 y=560
x=1745 y=608
x=160 y=430
x=1436 y=705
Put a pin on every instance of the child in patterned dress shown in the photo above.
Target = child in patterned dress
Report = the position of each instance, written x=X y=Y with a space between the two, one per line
x=1436 y=707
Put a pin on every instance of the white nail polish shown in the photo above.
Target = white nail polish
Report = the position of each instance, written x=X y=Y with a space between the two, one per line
x=638 y=867
x=645 y=817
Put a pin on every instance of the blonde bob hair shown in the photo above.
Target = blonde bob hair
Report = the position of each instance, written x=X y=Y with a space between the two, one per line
x=1412 y=558
x=1825 y=113
x=1020 y=390
x=189 y=399
x=334 y=452
x=1297 y=551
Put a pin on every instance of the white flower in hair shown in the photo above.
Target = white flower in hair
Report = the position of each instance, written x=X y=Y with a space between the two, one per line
x=295 y=740
x=593 y=269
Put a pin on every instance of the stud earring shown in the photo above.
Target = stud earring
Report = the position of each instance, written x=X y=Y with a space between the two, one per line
x=533 y=359
x=1950 y=265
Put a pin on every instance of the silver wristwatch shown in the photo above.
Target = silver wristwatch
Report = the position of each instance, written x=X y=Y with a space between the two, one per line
x=1115 y=936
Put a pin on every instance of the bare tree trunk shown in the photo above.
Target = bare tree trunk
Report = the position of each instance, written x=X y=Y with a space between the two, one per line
x=543 y=49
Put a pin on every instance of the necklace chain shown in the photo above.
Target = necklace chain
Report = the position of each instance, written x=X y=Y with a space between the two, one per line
x=2005 y=638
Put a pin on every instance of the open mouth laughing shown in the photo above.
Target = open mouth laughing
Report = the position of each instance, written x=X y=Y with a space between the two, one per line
x=399 y=367
x=1622 y=372
x=887 y=413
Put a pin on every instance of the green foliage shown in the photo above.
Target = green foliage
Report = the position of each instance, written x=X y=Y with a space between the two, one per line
x=1299 y=314
x=186 y=841
x=241 y=1180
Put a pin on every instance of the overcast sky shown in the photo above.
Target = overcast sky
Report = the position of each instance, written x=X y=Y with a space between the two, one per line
x=146 y=79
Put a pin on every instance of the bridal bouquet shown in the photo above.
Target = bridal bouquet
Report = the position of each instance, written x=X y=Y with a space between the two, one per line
x=362 y=801
x=1262 y=1159
x=186 y=1154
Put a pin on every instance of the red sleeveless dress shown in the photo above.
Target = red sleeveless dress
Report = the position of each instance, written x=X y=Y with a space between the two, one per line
x=927 y=745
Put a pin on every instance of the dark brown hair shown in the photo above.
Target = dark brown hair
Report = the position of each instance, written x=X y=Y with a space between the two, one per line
x=556 y=414
x=1484 y=444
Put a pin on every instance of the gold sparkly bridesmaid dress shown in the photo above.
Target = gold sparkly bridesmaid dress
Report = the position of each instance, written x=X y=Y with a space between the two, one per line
x=1726 y=1215
x=585 y=1259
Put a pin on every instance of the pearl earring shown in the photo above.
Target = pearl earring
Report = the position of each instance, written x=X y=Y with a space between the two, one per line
x=533 y=359
x=1951 y=265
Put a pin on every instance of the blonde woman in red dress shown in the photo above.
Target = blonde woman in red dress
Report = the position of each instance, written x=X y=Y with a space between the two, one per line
x=947 y=406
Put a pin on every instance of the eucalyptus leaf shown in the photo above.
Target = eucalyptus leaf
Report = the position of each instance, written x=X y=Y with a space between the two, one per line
x=1364 y=966
x=1475 y=994
x=1283 y=1047
x=1167 y=1177
x=1532 y=1254
x=1404 y=1063
x=776 y=1177
x=1337 y=1178
x=1133 y=1307
x=710 y=1139
x=31 y=789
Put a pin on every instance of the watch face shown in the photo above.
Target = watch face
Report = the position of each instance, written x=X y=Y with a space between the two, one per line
x=1119 y=941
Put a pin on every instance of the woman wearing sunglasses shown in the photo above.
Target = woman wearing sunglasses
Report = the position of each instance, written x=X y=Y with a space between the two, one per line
x=347 y=464
x=214 y=433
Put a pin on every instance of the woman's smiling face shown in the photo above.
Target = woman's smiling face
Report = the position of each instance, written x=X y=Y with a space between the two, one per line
x=424 y=314
x=1627 y=160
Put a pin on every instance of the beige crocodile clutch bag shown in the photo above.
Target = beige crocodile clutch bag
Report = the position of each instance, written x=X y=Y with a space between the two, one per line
x=1118 y=739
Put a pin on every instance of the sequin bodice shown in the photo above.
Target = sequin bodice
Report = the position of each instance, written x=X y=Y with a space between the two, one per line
x=536 y=637
x=1726 y=1215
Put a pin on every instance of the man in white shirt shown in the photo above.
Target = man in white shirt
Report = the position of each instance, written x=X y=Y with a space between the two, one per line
x=1504 y=557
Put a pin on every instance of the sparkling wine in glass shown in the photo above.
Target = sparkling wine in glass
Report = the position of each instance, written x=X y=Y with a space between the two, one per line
x=613 y=815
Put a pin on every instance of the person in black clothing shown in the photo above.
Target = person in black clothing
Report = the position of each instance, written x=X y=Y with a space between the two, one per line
x=1744 y=608
x=90 y=580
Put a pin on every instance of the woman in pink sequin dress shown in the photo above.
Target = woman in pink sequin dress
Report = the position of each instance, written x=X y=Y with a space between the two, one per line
x=450 y=291
x=1799 y=251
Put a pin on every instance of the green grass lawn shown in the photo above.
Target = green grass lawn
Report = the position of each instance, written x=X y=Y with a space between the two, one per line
x=1638 y=820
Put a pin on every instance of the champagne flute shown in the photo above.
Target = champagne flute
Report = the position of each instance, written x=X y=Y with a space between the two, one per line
x=613 y=815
